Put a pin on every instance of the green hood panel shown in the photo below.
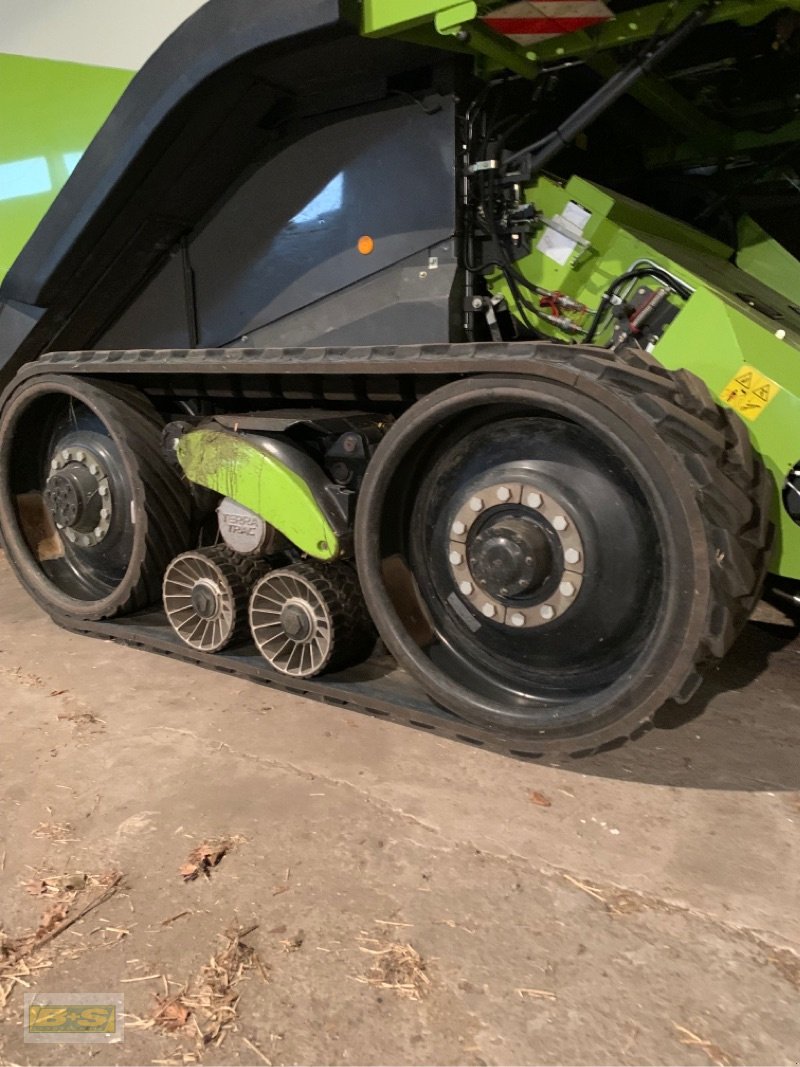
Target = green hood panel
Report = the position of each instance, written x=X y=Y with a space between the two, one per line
x=49 y=113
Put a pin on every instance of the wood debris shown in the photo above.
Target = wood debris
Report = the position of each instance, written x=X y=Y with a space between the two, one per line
x=396 y=966
x=208 y=1004
x=715 y=1054
x=542 y=801
x=206 y=856
x=17 y=954
x=60 y=833
x=622 y=901
x=292 y=944
x=536 y=994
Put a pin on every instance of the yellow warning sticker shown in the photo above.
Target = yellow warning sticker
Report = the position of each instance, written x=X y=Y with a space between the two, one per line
x=749 y=392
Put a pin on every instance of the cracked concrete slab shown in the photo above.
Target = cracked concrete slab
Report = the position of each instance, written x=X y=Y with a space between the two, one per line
x=639 y=906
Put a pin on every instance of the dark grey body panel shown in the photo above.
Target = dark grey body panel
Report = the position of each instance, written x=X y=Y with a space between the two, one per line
x=230 y=90
x=279 y=260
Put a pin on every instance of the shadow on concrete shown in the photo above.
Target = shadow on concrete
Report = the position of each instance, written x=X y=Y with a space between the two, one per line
x=741 y=731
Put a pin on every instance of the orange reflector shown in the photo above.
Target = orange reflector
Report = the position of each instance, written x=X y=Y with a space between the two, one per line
x=365 y=245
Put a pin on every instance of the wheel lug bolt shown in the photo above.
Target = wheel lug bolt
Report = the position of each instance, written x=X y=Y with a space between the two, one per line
x=476 y=503
x=80 y=456
x=572 y=555
x=103 y=490
x=567 y=589
x=517 y=619
x=489 y=610
x=504 y=592
x=103 y=513
x=466 y=588
x=93 y=468
x=547 y=612
x=456 y=558
x=54 y=465
x=65 y=455
x=503 y=494
x=560 y=523
x=458 y=527
x=533 y=500
x=98 y=531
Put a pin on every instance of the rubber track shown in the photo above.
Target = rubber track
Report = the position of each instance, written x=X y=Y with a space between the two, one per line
x=733 y=487
x=168 y=508
x=377 y=688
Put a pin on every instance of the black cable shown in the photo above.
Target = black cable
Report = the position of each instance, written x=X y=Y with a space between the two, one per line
x=632 y=275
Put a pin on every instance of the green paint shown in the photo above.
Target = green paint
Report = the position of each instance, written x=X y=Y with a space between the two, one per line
x=713 y=338
x=50 y=113
x=768 y=261
x=230 y=465
x=390 y=16
x=450 y=20
x=716 y=331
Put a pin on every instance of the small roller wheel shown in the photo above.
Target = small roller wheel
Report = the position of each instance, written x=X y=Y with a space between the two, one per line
x=309 y=618
x=205 y=598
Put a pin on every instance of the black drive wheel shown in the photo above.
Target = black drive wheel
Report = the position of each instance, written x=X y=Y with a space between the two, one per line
x=90 y=510
x=555 y=556
x=310 y=618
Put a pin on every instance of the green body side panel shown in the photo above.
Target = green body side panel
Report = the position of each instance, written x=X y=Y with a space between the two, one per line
x=762 y=256
x=717 y=331
x=49 y=113
x=714 y=339
x=231 y=466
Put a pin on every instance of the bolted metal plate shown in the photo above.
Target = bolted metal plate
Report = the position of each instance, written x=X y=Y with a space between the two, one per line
x=559 y=518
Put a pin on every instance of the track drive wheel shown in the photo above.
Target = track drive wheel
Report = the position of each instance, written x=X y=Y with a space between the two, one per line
x=310 y=618
x=206 y=592
x=555 y=556
x=91 y=513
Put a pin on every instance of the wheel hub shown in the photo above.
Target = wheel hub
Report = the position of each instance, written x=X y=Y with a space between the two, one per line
x=78 y=496
x=205 y=598
x=510 y=556
x=297 y=621
x=516 y=554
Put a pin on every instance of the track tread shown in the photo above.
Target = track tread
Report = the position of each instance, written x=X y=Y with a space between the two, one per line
x=734 y=489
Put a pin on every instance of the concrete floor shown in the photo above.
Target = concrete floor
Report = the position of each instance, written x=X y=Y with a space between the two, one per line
x=637 y=907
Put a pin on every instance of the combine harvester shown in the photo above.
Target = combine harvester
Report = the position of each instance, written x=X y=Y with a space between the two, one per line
x=427 y=358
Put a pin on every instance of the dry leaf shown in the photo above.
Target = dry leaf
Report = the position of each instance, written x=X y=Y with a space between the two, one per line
x=205 y=856
x=170 y=1013
x=51 y=917
x=539 y=799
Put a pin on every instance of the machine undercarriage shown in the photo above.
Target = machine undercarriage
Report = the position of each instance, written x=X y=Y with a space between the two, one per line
x=391 y=387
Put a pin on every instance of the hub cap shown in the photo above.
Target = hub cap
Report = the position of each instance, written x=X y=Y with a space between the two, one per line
x=78 y=496
x=516 y=554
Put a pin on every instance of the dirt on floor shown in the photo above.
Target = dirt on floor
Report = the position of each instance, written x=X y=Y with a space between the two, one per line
x=267 y=880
